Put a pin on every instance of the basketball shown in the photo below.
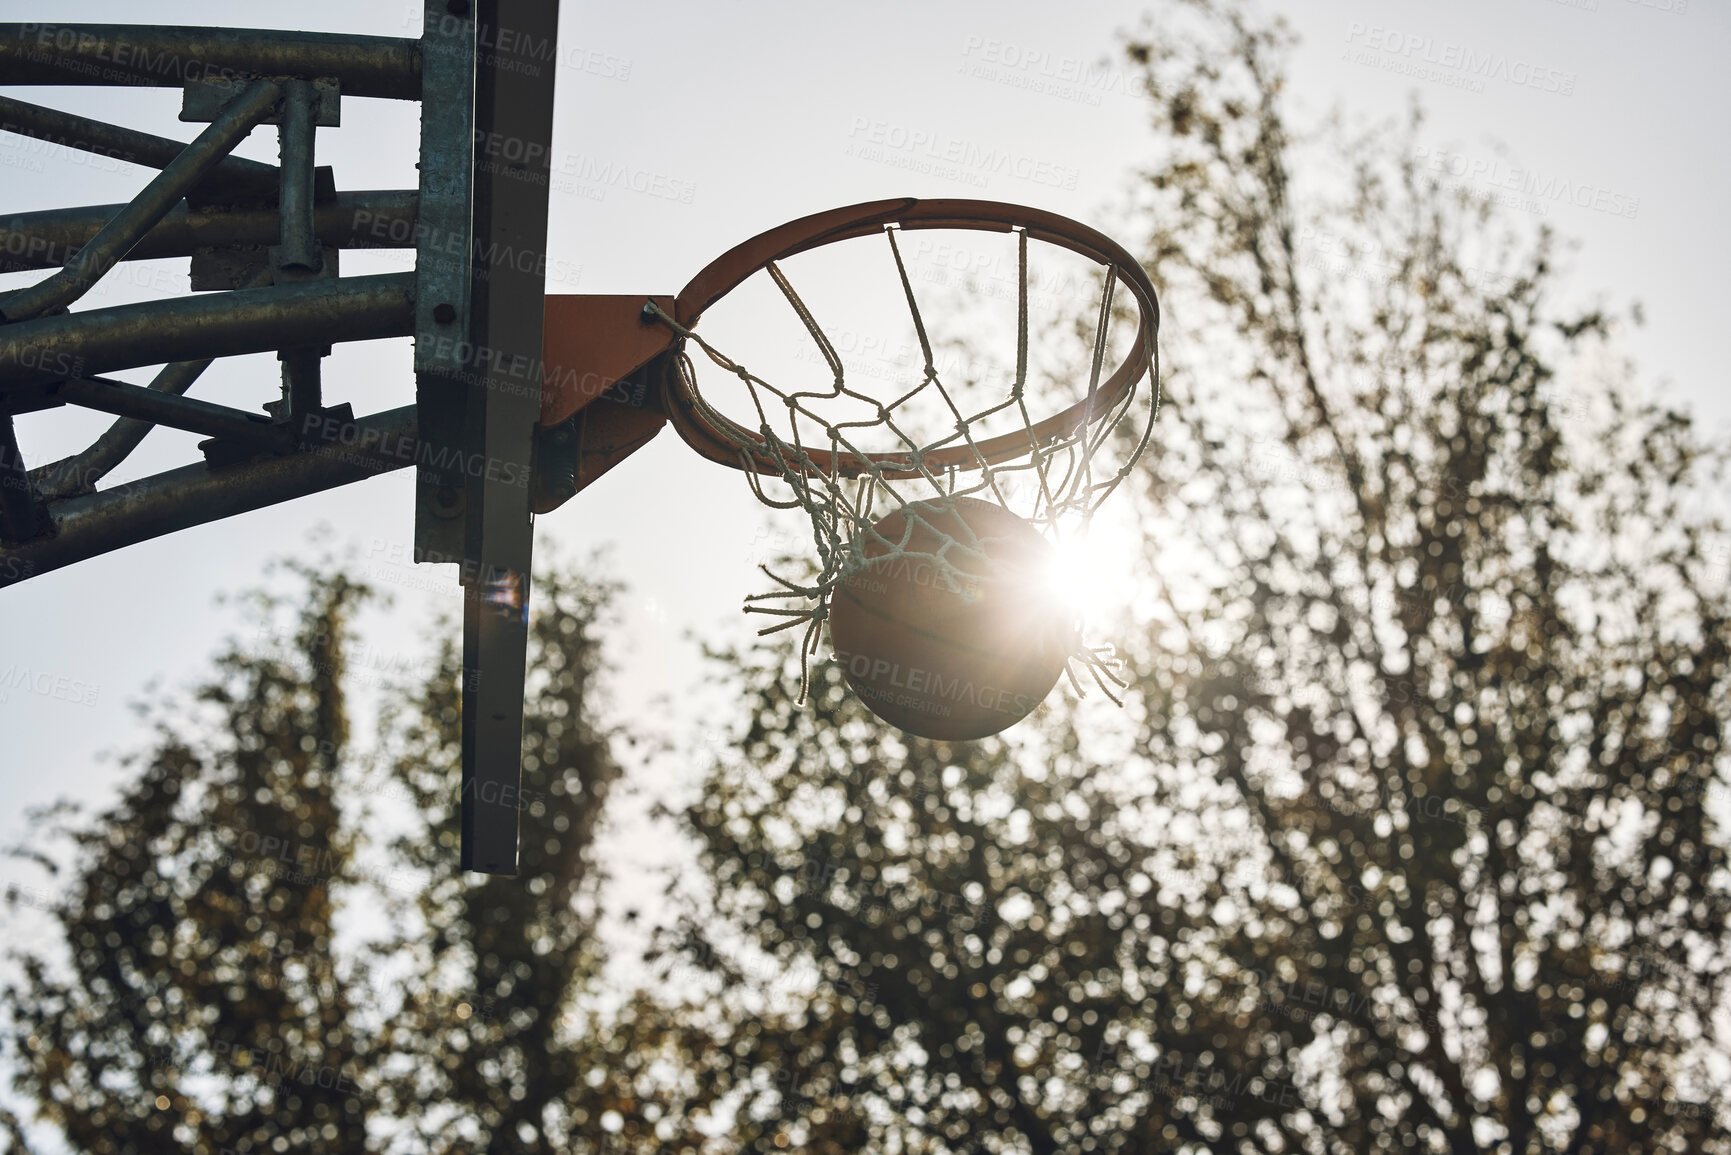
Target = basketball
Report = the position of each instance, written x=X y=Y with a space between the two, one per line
x=952 y=662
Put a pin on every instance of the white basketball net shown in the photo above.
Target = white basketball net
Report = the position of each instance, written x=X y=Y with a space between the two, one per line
x=1066 y=485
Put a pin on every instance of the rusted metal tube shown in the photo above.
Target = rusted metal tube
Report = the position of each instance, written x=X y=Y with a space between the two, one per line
x=299 y=249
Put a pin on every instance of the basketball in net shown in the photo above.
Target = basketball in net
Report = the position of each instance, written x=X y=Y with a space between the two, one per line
x=933 y=499
x=958 y=651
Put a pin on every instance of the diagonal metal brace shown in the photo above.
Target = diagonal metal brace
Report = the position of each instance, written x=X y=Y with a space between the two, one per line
x=79 y=473
x=123 y=399
x=111 y=243
x=234 y=178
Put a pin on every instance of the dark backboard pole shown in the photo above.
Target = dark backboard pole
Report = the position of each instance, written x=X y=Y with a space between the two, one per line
x=516 y=60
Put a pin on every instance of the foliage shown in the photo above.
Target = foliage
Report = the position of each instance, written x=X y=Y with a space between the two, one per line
x=509 y=1044
x=207 y=1005
x=200 y=924
x=1411 y=845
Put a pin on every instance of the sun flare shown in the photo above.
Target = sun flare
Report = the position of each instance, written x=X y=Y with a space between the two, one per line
x=1092 y=573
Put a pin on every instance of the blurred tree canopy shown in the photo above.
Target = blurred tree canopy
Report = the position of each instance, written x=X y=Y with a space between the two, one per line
x=194 y=949
x=1408 y=836
x=199 y=998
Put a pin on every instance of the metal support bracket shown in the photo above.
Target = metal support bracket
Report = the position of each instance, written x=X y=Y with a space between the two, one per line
x=131 y=223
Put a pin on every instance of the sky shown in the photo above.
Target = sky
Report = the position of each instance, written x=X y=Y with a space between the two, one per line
x=732 y=116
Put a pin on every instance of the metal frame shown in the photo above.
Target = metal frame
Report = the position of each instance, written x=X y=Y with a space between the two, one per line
x=264 y=242
x=268 y=228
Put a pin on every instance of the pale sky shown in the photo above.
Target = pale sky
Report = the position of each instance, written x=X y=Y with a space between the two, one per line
x=739 y=115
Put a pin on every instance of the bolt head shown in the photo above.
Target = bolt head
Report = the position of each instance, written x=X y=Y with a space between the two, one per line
x=444 y=312
x=447 y=501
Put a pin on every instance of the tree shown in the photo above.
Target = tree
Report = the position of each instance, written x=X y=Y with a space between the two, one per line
x=200 y=925
x=510 y=1041
x=959 y=926
x=1410 y=846
x=207 y=1005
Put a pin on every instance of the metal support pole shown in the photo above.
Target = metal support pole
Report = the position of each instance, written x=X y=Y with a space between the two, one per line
x=300 y=249
x=233 y=178
x=302 y=382
x=298 y=253
x=442 y=268
x=513 y=94
x=220 y=325
x=171 y=184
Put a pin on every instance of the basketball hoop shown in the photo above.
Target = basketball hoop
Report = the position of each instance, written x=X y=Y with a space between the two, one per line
x=848 y=491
